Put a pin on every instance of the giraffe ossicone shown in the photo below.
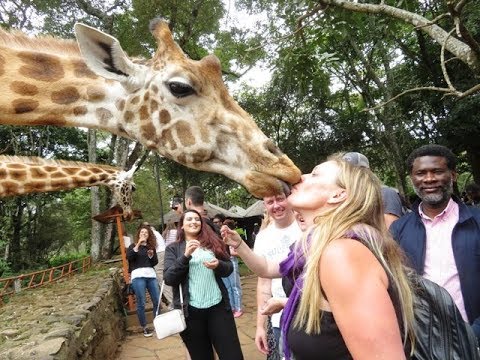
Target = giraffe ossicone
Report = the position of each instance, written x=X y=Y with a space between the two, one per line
x=171 y=104
x=20 y=175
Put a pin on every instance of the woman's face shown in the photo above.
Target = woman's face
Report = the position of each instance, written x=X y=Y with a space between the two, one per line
x=316 y=188
x=143 y=235
x=192 y=224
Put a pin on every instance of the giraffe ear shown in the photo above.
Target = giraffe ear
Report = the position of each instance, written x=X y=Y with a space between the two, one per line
x=104 y=55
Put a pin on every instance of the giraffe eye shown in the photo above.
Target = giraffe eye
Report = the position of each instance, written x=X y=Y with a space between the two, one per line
x=179 y=89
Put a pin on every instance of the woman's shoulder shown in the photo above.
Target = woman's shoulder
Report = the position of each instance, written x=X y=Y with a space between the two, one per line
x=351 y=256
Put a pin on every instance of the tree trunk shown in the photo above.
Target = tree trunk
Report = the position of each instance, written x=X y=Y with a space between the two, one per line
x=95 y=203
x=474 y=158
x=15 y=246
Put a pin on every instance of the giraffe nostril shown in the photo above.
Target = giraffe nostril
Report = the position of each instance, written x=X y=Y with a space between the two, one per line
x=272 y=148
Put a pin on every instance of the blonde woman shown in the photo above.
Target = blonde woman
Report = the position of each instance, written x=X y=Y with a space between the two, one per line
x=349 y=295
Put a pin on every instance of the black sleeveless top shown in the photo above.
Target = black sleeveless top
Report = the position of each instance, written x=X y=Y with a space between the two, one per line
x=329 y=344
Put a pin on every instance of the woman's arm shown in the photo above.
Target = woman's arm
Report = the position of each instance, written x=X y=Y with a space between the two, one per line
x=175 y=266
x=356 y=287
x=131 y=254
x=153 y=259
x=258 y=264
x=224 y=268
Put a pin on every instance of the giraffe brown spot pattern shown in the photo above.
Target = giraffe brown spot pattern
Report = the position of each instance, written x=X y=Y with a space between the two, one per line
x=10 y=188
x=95 y=93
x=182 y=159
x=23 y=88
x=164 y=117
x=80 y=110
x=3 y=174
x=15 y=166
x=128 y=116
x=144 y=112
x=70 y=170
x=38 y=173
x=60 y=184
x=84 y=173
x=50 y=119
x=167 y=138
x=153 y=106
x=120 y=104
x=184 y=133
x=35 y=186
x=155 y=89
x=21 y=106
x=96 y=170
x=57 y=175
x=135 y=100
x=103 y=115
x=148 y=131
x=65 y=96
x=81 y=70
x=201 y=155
x=18 y=175
x=146 y=96
x=49 y=168
x=40 y=67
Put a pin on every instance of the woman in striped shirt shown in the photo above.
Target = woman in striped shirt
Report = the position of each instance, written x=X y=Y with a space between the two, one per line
x=197 y=261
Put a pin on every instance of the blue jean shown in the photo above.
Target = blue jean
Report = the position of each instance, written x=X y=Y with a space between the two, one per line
x=234 y=287
x=140 y=285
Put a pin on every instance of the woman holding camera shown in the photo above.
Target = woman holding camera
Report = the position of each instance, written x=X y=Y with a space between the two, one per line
x=142 y=258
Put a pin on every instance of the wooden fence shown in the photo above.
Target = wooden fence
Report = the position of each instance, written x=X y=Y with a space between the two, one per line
x=12 y=285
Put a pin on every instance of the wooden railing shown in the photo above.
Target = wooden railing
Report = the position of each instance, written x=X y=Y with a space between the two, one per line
x=12 y=285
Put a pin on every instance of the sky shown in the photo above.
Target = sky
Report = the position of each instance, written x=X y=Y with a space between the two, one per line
x=259 y=75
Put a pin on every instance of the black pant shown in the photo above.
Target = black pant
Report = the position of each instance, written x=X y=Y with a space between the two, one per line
x=212 y=326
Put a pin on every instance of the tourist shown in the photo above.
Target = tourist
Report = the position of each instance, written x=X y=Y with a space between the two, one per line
x=142 y=259
x=197 y=261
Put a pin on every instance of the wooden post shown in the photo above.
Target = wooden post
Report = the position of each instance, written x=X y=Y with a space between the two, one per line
x=126 y=275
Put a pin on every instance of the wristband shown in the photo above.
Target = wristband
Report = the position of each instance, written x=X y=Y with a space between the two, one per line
x=236 y=247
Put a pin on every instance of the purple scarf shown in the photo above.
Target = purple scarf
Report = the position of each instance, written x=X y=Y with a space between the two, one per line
x=292 y=268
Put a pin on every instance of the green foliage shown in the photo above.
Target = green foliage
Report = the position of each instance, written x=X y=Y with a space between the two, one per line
x=66 y=258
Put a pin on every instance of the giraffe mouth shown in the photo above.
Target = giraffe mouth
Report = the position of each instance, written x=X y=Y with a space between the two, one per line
x=287 y=188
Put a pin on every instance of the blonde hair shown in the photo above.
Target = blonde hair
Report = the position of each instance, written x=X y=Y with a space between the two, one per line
x=267 y=219
x=362 y=214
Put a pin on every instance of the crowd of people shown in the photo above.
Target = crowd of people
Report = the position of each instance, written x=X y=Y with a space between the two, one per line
x=332 y=260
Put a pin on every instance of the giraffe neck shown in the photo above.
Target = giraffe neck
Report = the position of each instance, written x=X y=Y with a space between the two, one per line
x=23 y=175
x=54 y=87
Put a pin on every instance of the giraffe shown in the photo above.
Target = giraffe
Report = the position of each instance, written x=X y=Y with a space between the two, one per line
x=171 y=104
x=21 y=175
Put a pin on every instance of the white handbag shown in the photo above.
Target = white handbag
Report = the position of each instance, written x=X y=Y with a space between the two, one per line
x=171 y=322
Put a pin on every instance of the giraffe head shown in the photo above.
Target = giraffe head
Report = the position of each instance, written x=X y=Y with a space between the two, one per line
x=122 y=187
x=181 y=109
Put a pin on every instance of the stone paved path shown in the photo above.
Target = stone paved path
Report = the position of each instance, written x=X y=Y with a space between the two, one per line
x=137 y=347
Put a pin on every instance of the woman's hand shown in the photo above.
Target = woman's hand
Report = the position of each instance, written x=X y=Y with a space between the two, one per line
x=230 y=237
x=191 y=246
x=212 y=264
x=150 y=253
x=273 y=305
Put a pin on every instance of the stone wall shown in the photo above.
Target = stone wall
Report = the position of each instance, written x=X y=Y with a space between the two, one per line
x=77 y=318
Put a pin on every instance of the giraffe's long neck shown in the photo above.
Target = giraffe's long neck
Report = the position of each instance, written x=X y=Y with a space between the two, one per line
x=24 y=175
x=53 y=86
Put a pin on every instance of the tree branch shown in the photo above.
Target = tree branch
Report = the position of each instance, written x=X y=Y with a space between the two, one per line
x=458 y=48
x=447 y=91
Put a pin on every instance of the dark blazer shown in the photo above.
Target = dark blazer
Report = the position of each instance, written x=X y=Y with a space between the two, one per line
x=176 y=266
x=410 y=233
